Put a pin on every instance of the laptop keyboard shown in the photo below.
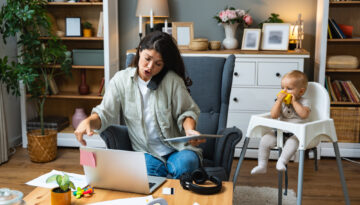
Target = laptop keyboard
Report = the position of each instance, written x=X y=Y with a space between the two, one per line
x=151 y=184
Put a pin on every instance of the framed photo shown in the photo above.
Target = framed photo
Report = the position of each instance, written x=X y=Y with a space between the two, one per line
x=72 y=26
x=275 y=36
x=183 y=32
x=251 y=39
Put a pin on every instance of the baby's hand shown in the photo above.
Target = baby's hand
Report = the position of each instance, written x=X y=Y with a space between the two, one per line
x=281 y=95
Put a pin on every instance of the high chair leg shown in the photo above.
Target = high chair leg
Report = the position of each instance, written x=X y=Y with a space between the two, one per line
x=341 y=172
x=300 y=176
x=241 y=159
x=280 y=176
x=286 y=181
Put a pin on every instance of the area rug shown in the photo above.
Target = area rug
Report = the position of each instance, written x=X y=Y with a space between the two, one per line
x=261 y=196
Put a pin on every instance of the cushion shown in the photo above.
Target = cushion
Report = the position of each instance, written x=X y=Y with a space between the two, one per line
x=342 y=61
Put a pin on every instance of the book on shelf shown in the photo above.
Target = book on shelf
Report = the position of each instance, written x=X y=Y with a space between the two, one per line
x=100 y=29
x=50 y=122
x=101 y=87
x=347 y=91
x=355 y=91
x=329 y=33
x=52 y=85
x=335 y=29
x=329 y=89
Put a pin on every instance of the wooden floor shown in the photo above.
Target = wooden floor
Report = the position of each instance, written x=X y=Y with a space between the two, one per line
x=320 y=187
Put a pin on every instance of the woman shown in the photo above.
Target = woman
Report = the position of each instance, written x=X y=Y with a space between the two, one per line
x=156 y=104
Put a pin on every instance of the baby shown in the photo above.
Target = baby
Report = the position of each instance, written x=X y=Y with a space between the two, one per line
x=295 y=84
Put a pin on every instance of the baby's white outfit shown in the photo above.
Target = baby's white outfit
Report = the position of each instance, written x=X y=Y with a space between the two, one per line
x=268 y=141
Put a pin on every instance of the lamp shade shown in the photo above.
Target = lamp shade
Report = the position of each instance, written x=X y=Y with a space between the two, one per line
x=160 y=8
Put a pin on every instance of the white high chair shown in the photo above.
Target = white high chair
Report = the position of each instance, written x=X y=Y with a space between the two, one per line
x=309 y=134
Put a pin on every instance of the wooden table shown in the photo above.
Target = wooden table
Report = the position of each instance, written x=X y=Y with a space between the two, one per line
x=41 y=196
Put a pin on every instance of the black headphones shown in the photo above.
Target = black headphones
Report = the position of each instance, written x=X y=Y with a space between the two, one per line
x=199 y=176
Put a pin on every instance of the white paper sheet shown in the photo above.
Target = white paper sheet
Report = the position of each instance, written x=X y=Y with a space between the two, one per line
x=128 y=201
x=78 y=180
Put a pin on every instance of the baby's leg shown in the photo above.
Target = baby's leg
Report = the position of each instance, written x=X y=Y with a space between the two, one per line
x=291 y=145
x=267 y=142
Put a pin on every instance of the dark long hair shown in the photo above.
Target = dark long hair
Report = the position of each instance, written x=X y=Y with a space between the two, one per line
x=164 y=44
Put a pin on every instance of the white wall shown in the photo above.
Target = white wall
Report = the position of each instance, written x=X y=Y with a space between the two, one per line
x=12 y=103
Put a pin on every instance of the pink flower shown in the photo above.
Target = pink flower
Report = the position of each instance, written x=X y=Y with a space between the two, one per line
x=248 y=19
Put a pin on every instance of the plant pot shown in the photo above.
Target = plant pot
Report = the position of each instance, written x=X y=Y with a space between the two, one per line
x=60 y=198
x=42 y=148
x=87 y=32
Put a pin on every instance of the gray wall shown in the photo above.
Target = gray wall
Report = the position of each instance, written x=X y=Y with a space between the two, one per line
x=201 y=12
x=12 y=103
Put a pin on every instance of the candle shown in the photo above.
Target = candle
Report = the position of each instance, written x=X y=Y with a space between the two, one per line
x=140 y=23
x=151 y=19
x=166 y=28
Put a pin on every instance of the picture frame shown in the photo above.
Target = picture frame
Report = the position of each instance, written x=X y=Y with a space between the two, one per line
x=251 y=39
x=275 y=36
x=73 y=26
x=183 y=33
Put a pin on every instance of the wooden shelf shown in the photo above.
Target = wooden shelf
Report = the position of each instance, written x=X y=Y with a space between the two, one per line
x=74 y=95
x=352 y=40
x=75 y=4
x=342 y=70
x=76 y=38
x=345 y=103
x=344 y=3
x=87 y=67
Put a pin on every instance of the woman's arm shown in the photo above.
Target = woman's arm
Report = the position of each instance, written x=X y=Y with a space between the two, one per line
x=87 y=126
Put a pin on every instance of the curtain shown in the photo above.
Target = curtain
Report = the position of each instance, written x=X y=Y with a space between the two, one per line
x=4 y=152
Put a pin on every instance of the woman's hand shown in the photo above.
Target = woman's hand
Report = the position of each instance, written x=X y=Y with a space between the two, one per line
x=194 y=142
x=83 y=128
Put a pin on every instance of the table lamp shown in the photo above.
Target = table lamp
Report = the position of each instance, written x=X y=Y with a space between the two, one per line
x=151 y=8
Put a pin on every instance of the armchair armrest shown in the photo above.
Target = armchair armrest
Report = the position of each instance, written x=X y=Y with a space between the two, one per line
x=116 y=137
x=225 y=147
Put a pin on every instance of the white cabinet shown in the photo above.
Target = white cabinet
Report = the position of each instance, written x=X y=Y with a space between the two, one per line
x=256 y=81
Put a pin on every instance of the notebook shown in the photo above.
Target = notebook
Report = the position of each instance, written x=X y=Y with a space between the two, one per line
x=120 y=170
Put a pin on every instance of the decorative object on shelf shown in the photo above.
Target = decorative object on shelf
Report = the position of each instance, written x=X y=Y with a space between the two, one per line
x=199 y=44
x=299 y=26
x=73 y=26
x=83 y=87
x=78 y=116
x=275 y=36
x=87 y=27
x=101 y=87
x=61 y=195
x=91 y=57
x=273 y=18
x=183 y=32
x=251 y=39
x=60 y=33
x=230 y=18
x=151 y=9
x=342 y=62
x=215 y=45
x=33 y=52
x=50 y=122
x=100 y=30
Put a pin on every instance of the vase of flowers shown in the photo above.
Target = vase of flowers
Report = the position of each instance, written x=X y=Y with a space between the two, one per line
x=231 y=18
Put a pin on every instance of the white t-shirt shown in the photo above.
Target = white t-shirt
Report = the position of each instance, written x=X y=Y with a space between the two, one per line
x=288 y=112
x=149 y=118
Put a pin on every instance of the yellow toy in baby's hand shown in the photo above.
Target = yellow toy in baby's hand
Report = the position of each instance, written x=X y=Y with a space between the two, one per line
x=287 y=98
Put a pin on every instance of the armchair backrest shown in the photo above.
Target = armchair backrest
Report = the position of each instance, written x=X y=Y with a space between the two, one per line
x=320 y=102
x=212 y=80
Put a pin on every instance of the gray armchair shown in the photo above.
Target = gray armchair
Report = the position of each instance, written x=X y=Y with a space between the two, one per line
x=212 y=79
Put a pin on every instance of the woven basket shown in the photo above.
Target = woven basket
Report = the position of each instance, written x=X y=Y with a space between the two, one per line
x=42 y=148
x=347 y=123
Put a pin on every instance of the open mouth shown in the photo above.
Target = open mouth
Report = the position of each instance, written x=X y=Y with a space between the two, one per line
x=147 y=72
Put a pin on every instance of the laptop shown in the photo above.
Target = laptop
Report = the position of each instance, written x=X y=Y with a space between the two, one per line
x=120 y=170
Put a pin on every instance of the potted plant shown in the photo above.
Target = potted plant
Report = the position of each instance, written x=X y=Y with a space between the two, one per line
x=273 y=18
x=34 y=68
x=61 y=195
x=87 y=26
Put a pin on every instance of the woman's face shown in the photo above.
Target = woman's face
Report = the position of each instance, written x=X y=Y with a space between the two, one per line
x=150 y=64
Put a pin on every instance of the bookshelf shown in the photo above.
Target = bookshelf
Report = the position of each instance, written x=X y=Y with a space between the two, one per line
x=68 y=98
x=346 y=115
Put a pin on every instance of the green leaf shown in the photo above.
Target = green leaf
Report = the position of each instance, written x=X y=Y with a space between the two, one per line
x=59 y=179
x=51 y=178
x=71 y=184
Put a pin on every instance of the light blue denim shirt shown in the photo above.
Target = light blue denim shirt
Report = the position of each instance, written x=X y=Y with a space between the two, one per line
x=170 y=103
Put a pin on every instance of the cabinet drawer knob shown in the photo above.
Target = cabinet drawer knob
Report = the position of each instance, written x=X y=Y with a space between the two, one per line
x=236 y=74
x=235 y=99
x=278 y=75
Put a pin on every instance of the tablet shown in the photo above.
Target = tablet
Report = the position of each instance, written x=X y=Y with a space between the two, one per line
x=187 y=138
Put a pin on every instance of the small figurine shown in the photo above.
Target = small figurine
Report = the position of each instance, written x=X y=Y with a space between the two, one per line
x=81 y=192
